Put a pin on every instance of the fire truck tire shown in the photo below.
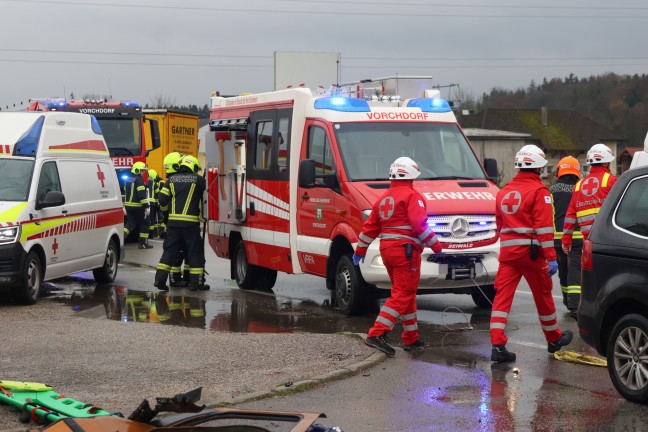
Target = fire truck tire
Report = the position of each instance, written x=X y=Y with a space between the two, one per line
x=247 y=275
x=108 y=272
x=483 y=300
x=32 y=278
x=267 y=279
x=350 y=288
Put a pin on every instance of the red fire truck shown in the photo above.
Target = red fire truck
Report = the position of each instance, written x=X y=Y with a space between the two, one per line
x=292 y=175
x=129 y=135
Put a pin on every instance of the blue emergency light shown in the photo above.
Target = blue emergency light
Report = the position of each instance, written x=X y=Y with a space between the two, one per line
x=27 y=144
x=54 y=105
x=95 y=126
x=343 y=104
x=433 y=105
x=130 y=104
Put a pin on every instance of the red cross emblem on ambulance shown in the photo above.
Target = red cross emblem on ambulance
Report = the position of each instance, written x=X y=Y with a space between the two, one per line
x=386 y=208
x=590 y=186
x=101 y=176
x=511 y=202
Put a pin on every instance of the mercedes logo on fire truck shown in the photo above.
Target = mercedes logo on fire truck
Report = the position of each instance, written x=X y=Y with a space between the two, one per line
x=459 y=227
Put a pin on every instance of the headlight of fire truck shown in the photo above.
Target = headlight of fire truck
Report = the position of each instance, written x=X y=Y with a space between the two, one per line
x=9 y=234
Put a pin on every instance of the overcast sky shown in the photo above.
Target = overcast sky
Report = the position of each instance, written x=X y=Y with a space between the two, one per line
x=182 y=50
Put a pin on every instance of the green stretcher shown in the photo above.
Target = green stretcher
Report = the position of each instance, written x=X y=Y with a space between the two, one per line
x=41 y=404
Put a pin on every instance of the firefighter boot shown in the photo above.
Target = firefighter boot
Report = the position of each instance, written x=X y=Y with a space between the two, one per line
x=380 y=344
x=501 y=355
x=197 y=283
x=143 y=244
x=177 y=282
x=564 y=340
x=160 y=280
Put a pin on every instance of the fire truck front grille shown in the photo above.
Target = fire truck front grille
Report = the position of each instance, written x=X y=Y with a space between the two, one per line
x=463 y=228
x=464 y=184
x=378 y=185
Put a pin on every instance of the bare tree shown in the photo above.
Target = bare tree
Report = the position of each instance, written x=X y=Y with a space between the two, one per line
x=465 y=98
x=162 y=101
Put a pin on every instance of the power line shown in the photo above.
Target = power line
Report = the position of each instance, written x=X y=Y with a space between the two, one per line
x=167 y=54
x=329 y=12
x=473 y=66
x=470 y=6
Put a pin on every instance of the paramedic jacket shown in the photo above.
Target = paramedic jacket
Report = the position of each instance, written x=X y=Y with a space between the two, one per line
x=182 y=198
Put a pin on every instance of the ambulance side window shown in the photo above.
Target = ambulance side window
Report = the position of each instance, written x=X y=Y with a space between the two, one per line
x=48 y=181
x=263 y=153
x=319 y=150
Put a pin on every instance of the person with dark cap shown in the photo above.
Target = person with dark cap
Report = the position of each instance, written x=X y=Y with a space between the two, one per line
x=137 y=206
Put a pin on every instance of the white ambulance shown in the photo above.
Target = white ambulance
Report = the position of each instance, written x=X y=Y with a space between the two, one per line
x=60 y=205
x=292 y=175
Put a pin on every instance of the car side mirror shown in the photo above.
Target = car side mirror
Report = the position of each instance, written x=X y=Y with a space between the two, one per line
x=490 y=165
x=51 y=199
x=307 y=173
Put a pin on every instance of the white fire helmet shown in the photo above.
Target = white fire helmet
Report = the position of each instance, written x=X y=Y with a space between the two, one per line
x=404 y=168
x=599 y=153
x=530 y=156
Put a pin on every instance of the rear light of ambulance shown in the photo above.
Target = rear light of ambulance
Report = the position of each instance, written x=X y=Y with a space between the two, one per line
x=586 y=258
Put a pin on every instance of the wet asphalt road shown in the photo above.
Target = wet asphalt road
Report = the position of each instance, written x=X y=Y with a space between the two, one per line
x=452 y=385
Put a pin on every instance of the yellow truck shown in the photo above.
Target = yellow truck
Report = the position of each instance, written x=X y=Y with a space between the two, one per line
x=178 y=132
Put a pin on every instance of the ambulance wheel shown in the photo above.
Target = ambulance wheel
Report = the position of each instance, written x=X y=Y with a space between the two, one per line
x=107 y=273
x=483 y=300
x=32 y=278
x=245 y=273
x=349 y=287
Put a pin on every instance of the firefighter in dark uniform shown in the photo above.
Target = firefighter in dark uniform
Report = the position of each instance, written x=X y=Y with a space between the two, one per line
x=568 y=265
x=154 y=186
x=171 y=167
x=183 y=195
x=137 y=204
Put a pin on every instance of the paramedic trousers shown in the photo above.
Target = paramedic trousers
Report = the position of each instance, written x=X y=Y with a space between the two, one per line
x=506 y=281
x=135 y=219
x=181 y=238
x=569 y=271
x=404 y=274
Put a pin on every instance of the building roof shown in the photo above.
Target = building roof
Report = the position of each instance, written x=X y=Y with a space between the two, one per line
x=490 y=133
x=564 y=130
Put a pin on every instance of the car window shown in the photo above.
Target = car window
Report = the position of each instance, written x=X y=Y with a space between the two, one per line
x=632 y=211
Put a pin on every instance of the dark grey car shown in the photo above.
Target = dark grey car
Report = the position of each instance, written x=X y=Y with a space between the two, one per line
x=613 y=311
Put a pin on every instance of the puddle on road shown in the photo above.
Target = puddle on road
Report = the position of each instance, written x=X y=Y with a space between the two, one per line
x=232 y=311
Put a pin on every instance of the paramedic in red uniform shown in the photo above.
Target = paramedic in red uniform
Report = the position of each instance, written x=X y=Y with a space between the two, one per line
x=589 y=194
x=399 y=219
x=524 y=216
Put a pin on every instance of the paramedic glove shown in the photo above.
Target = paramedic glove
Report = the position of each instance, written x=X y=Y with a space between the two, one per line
x=553 y=267
x=438 y=255
x=357 y=259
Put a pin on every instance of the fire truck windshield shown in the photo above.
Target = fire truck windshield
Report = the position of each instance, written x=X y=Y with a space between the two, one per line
x=440 y=150
x=13 y=186
x=122 y=135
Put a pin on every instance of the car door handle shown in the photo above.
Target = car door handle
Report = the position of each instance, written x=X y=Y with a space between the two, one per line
x=305 y=196
x=64 y=211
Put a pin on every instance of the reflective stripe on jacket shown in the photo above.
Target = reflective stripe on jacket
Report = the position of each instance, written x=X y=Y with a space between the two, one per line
x=524 y=215
x=588 y=197
x=135 y=192
x=182 y=195
x=561 y=193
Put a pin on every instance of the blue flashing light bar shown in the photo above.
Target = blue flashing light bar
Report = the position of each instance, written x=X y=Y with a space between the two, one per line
x=124 y=177
x=433 y=105
x=343 y=104
x=130 y=104
x=54 y=105
x=27 y=144
x=95 y=126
